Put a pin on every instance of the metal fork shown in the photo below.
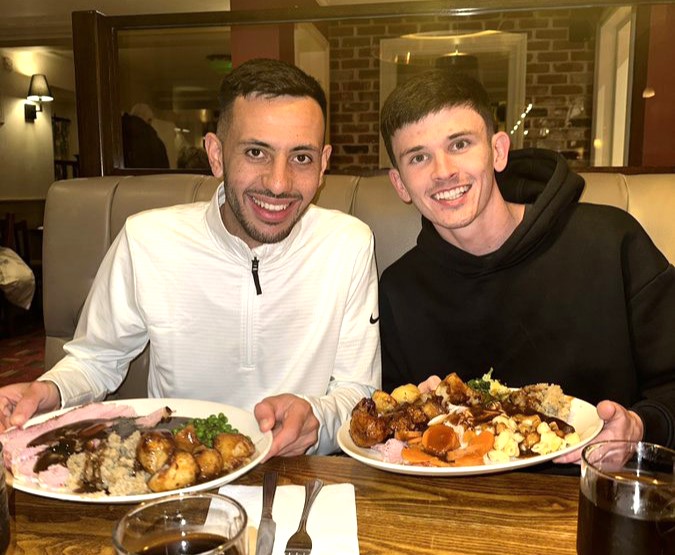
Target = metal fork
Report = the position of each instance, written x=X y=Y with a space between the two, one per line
x=300 y=543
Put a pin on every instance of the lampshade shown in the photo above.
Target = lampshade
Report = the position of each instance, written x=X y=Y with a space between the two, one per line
x=462 y=63
x=39 y=89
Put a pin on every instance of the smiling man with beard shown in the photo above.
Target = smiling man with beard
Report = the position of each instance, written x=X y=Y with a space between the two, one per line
x=258 y=299
x=511 y=272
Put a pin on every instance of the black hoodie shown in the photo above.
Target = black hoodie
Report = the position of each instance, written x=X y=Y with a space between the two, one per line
x=578 y=295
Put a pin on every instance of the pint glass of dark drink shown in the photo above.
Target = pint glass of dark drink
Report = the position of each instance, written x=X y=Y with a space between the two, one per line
x=197 y=523
x=4 y=510
x=626 y=499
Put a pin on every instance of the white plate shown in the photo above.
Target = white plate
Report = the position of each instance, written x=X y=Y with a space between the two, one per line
x=243 y=421
x=583 y=417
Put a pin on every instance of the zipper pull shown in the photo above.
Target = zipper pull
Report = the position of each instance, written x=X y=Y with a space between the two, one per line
x=256 y=279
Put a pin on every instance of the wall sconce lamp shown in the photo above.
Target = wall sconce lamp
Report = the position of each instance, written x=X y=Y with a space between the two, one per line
x=649 y=92
x=38 y=92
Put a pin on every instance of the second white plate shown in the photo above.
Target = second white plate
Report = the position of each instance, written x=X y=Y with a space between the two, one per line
x=583 y=417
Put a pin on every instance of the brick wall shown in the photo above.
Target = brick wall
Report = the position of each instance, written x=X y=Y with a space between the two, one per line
x=559 y=76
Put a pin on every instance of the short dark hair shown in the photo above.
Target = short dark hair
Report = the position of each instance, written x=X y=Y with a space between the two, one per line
x=267 y=78
x=428 y=93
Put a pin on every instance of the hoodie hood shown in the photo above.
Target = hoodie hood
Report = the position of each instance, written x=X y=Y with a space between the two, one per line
x=537 y=177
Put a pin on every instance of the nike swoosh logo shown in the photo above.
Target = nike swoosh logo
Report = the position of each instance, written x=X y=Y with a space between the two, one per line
x=374 y=320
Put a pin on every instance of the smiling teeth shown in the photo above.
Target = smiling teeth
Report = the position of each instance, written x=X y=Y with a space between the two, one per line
x=452 y=194
x=271 y=207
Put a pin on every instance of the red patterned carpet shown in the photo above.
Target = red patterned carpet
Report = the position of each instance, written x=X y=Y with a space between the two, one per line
x=22 y=357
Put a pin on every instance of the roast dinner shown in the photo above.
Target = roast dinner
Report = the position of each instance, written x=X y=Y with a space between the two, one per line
x=479 y=422
x=107 y=449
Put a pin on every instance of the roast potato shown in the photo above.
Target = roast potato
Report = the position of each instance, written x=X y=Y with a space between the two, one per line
x=181 y=472
x=235 y=449
x=210 y=463
x=154 y=449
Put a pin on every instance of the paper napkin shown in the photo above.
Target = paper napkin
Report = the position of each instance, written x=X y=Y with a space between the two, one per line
x=331 y=523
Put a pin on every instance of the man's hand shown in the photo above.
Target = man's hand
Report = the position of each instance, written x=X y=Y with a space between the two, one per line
x=429 y=385
x=293 y=424
x=620 y=423
x=18 y=402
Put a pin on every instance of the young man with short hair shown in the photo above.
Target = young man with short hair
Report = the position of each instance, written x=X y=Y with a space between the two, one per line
x=239 y=297
x=511 y=272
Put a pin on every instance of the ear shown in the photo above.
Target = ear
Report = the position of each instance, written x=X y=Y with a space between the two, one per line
x=214 y=150
x=500 y=150
x=325 y=156
x=397 y=182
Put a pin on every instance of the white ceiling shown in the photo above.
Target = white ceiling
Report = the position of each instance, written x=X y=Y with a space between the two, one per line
x=33 y=22
x=48 y=21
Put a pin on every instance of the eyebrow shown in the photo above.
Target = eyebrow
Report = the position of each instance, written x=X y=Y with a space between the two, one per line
x=263 y=144
x=451 y=137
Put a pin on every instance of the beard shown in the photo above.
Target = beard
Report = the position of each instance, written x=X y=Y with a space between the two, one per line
x=249 y=227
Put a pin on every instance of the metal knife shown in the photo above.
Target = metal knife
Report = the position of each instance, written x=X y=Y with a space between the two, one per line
x=267 y=527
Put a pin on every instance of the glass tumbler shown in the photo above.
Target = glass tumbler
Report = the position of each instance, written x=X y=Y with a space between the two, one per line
x=4 y=510
x=198 y=523
x=626 y=499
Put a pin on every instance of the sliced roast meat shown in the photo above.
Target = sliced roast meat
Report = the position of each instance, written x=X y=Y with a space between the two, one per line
x=16 y=440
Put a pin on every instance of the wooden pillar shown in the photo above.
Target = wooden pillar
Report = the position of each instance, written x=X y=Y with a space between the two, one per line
x=99 y=128
x=659 y=109
x=652 y=142
x=264 y=41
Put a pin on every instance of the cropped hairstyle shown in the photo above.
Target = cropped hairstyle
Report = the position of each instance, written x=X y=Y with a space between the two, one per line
x=269 y=79
x=429 y=93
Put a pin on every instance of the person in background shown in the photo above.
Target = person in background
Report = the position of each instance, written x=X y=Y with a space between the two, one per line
x=238 y=297
x=141 y=145
x=511 y=272
x=193 y=158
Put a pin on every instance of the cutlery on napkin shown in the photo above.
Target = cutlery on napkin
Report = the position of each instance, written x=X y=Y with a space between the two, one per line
x=267 y=526
x=332 y=522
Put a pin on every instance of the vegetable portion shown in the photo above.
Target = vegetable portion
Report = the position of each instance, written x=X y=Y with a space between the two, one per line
x=208 y=428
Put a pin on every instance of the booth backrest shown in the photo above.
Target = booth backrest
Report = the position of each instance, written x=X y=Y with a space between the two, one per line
x=83 y=216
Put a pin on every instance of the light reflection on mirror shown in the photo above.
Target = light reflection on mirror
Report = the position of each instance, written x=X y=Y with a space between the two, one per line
x=539 y=67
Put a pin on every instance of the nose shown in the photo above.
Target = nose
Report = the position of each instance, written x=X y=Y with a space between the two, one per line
x=444 y=167
x=278 y=178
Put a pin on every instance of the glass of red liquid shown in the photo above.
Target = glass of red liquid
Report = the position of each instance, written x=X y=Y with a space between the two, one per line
x=4 y=510
x=199 y=523
x=626 y=499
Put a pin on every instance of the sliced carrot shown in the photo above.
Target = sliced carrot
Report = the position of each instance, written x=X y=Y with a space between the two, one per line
x=407 y=435
x=439 y=439
x=469 y=436
x=415 y=455
x=478 y=445
x=482 y=442
x=469 y=460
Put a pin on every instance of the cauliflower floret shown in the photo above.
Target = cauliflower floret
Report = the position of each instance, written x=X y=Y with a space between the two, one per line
x=507 y=442
x=543 y=428
x=502 y=422
x=498 y=456
x=548 y=443
x=498 y=390
x=572 y=439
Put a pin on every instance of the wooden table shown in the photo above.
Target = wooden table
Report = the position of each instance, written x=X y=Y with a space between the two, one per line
x=515 y=513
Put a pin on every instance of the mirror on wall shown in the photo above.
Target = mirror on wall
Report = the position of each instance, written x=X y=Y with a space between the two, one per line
x=495 y=58
x=168 y=82
x=168 y=87
x=561 y=78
